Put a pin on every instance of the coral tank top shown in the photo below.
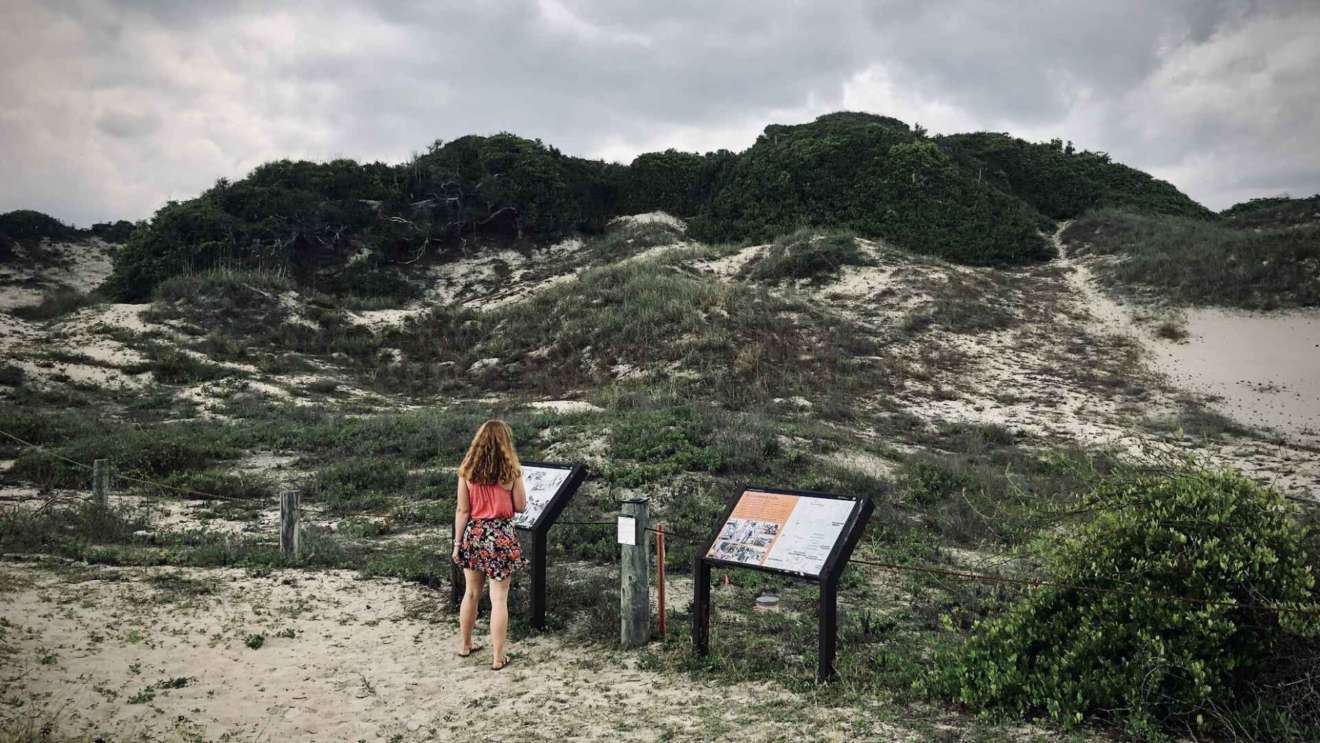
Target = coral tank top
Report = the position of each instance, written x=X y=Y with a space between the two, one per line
x=490 y=501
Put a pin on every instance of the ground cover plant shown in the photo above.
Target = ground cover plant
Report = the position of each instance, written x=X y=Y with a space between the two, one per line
x=1203 y=262
x=1110 y=640
x=808 y=255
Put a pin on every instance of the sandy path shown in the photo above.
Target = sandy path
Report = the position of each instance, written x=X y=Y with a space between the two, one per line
x=95 y=649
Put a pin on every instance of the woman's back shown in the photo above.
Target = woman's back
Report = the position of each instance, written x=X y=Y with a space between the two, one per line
x=491 y=501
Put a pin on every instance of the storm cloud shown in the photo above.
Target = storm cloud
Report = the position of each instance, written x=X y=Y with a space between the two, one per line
x=110 y=108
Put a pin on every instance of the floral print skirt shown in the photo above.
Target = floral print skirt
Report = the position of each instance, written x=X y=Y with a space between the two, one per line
x=491 y=546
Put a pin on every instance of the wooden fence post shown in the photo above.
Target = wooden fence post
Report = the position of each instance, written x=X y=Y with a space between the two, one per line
x=289 y=532
x=634 y=575
x=101 y=482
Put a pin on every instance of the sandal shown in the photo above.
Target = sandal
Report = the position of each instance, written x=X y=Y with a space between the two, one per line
x=470 y=651
x=504 y=665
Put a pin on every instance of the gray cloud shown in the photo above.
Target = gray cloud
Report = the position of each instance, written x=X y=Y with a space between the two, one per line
x=113 y=106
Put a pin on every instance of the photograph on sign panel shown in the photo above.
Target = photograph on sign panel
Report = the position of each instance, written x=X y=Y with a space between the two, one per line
x=795 y=533
x=745 y=540
x=541 y=484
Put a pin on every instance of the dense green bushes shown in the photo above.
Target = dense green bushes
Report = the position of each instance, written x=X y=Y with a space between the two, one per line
x=1060 y=182
x=680 y=183
x=876 y=176
x=1203 y=262
x=1107 y=639
x=971 y=198
x=27 y=225
x=307 y=219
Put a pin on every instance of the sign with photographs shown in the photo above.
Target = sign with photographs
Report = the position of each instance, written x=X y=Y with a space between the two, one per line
x=546 y=484
x=783 y=531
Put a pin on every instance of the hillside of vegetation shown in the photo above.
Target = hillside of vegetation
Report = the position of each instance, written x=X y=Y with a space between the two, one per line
x=353 y=229
x=997 y=427
x=1062 y=182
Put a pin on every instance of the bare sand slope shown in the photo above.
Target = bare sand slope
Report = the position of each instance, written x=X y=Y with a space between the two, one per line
x=161 y=654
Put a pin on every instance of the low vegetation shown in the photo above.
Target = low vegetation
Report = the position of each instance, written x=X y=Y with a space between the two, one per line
x=740 y=344
x=1272 y=212
x=1172 y=610
x=807 y=254
x=55 y=303
x=1203 y=262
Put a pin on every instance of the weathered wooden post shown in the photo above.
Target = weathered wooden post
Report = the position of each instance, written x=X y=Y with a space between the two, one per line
x=101 y=482
x=289 y=532
x=634 y=574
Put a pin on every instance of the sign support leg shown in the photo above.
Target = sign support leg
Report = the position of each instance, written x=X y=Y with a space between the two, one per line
x=538 y=578
x=827 y=639
x=701 y=607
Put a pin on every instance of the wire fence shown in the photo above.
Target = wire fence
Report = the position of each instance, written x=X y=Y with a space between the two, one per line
x=121 y=476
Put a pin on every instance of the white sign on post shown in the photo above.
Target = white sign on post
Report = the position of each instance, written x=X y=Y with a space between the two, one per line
x=627 y=530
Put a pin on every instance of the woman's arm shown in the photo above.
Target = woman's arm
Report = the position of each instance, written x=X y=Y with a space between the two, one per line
x=462 y=508
x=519 y=496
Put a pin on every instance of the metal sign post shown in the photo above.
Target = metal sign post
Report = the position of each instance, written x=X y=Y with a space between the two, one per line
x=804 y=534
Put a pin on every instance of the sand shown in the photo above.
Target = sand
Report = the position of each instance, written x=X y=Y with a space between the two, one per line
x=341 y=659
x=1260 y=368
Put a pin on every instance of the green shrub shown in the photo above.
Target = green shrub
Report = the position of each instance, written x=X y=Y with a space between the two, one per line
x=807 y=254
x=27 y=225
x=1061 y=182
x=172 y=366
x=359 y=484
x=11 y=375
x=243 y=486
x=1108 y=639
x=874 y=175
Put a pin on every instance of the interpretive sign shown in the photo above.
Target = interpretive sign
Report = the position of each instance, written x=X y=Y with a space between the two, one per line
x=542 y=483
x=795 y=532
x=784 y=532
x=549 y=487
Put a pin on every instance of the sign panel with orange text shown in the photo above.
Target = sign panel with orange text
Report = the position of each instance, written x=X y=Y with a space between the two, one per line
x=781 y=531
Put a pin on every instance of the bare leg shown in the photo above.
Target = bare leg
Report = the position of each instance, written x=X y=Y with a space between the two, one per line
x=467 y=613
x=499 y=619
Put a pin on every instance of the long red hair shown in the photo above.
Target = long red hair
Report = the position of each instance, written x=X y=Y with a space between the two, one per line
x=491 y=458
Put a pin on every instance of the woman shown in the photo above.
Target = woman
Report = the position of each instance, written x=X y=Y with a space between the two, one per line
x=490 y=491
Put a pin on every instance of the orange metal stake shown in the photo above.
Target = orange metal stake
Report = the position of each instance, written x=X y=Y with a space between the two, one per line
x=660 y=564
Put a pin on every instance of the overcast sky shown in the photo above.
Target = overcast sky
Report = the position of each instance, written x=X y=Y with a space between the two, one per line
x=110 y=107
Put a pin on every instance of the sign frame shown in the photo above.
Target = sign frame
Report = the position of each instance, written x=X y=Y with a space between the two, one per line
x=539 y=532
x=828 y=578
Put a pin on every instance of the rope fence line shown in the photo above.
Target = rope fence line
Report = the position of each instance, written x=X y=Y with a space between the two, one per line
x=894 y=567
x=131 y=478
